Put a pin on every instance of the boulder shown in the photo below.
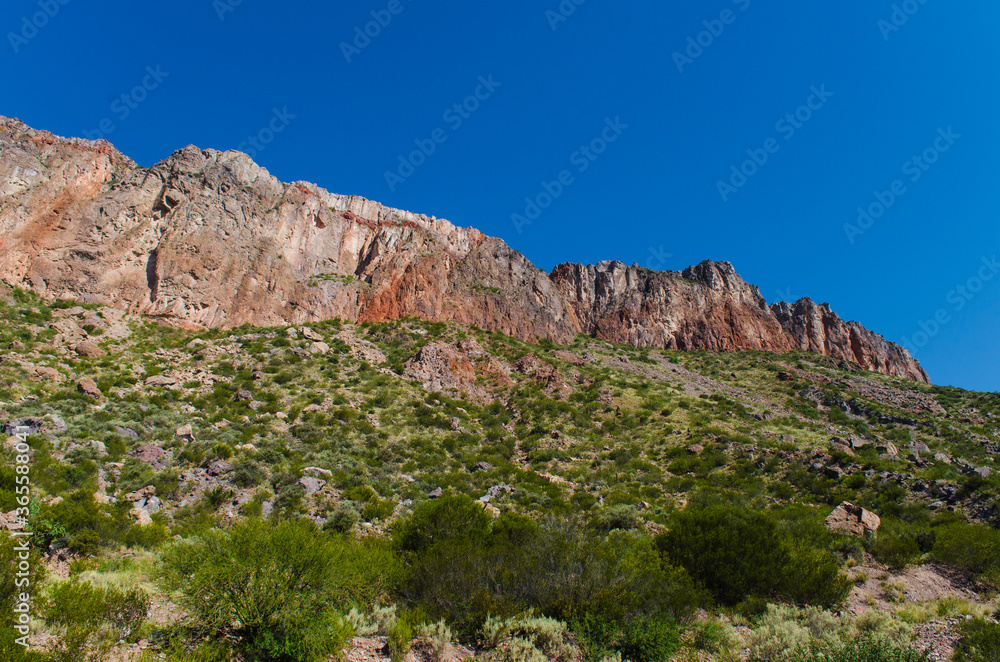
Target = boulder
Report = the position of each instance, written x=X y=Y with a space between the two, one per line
x=317 y=471
x=309 y=334
x=152 y=455
x=161 y=380
x=854 y=520
x=185 y=432
x=311 y=485
x=219 y=468
x=89 y=388
x=436 y=493
x=89 y=349
x=319 y=348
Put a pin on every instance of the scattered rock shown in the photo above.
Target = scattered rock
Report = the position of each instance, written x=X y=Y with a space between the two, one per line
x=89 y=349
x=309 y=334
x=219 y=468
x=89 y=388
x=185 y=432
x=481 y=466
x=161 y=380
x=128 y=433
x=319 y=348
x=152 y=455
x=311 y=485
x=317 y=471
x=435 y=493
x=855 y=520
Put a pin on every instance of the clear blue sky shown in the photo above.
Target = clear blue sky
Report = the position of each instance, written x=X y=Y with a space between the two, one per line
x=655 y=185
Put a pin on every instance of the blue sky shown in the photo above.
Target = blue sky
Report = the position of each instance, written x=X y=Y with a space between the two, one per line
x=886 y=83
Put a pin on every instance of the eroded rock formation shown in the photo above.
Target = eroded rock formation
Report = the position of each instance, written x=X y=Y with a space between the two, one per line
x=208 y=238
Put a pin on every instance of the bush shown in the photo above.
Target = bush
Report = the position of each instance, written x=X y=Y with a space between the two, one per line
x=277 y=590
x=865 y=650
x=979 y=642
x=528 y=637
x=738 y=554
x=119 y=612
x=975 y=547
x=558 y=569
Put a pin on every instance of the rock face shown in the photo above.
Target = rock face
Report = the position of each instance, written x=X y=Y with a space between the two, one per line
x=707 y=306
x=211 y=239
x=816 y=328
x=854 y=520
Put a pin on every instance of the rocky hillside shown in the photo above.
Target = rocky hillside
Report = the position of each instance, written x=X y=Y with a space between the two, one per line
x=589 y=454
x=210 y=239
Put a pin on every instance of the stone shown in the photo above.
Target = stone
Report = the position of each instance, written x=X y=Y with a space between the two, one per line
x=436 y=493
x=89 y=349
x=311 y=485
x=152 y=455
x=481 y=466
x=853 y=520
x=941 y=457
x=244 y=395
x=219 y=468
x=161 y=380
x=185 y=432
x=835 y=473
x=128 y=433
x=317 y=471
x=141 y=516
x=309 y=334
x=982 y=472
x=89 y=388
x=319 y=348
x=841 y=448
x=29 y=425
x=697 y=449
x=99 y=447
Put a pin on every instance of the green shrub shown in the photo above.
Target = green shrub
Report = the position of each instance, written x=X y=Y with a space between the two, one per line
x=277 y=590
x=979 y=642
x=118 y=611
x=561 y=570
x=737 y=554
x=975 y=547
x=864 y=650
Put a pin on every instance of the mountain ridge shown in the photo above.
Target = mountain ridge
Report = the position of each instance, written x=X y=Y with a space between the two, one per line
x=211 y=239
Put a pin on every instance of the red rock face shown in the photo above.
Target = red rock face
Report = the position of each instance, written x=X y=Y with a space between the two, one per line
x=211 y=239
x=816 y=328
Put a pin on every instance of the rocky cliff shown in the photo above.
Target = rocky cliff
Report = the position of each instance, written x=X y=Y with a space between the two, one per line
x=208 y=238
x=816 y=328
